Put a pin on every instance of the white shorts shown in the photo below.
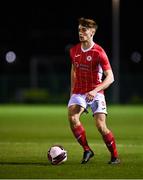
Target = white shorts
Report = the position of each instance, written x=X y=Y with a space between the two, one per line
x=98 y=104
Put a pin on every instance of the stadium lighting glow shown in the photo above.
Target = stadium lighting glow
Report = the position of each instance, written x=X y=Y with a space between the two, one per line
x=116 y=48
x=10 y=57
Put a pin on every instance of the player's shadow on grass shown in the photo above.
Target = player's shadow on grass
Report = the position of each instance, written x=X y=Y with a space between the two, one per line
x=25 y=163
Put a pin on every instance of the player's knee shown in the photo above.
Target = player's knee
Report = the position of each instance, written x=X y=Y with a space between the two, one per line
x=102 y=128
x=74 y=119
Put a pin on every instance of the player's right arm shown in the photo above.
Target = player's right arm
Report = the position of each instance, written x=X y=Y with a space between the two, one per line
x=72 y=78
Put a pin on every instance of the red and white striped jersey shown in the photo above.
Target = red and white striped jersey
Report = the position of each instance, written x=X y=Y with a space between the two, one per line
x=89 y=66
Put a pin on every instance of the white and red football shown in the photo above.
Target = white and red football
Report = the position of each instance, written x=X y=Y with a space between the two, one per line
x=57 y=155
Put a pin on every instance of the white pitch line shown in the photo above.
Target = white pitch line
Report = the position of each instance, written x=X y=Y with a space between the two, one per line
x=68 y=143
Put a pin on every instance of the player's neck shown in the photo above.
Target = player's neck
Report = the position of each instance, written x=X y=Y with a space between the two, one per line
x=87 y=45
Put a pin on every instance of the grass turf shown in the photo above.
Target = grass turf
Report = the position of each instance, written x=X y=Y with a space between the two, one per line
x=27 y=132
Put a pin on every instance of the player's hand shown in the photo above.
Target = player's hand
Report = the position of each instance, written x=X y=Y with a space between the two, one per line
x=90 y=95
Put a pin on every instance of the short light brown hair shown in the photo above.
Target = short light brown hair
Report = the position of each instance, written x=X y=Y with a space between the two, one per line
x=89 y=23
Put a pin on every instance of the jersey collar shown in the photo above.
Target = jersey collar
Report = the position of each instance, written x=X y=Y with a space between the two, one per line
x=85 y=50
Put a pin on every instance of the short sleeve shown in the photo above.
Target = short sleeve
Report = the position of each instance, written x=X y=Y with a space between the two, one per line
x=104 y=61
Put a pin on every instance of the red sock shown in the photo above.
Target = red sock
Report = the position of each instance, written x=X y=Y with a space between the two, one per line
x=80 y=135
x=110 y=143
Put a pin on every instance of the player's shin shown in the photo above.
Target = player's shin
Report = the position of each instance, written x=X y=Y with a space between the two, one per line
x=80 y=135
x=111 y=144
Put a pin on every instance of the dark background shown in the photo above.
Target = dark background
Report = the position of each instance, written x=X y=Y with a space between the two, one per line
x=40 y=35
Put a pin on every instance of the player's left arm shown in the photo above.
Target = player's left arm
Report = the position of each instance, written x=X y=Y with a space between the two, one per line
x=108 y=80
x=109 y=77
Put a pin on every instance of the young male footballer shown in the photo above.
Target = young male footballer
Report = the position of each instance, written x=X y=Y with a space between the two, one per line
x=89 y=63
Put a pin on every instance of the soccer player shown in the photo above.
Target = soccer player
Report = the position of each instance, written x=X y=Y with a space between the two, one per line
x=89 y=64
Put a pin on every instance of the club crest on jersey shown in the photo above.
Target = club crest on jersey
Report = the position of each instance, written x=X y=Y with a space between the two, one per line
x=88 y=58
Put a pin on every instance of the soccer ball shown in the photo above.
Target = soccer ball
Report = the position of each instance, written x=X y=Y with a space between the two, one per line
x=57 y=155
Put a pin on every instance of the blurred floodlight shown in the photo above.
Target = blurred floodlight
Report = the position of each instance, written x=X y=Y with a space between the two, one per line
x=136 y=57
x=10 y=57
x=116 y=49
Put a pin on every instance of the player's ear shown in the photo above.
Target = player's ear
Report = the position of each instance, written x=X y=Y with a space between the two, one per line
x=93 y=31
x=92 y=34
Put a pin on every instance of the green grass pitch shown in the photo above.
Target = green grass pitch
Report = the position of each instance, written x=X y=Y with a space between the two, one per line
x=27 y=132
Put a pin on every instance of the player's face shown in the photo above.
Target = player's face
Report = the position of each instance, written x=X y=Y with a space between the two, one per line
x=85 y=34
